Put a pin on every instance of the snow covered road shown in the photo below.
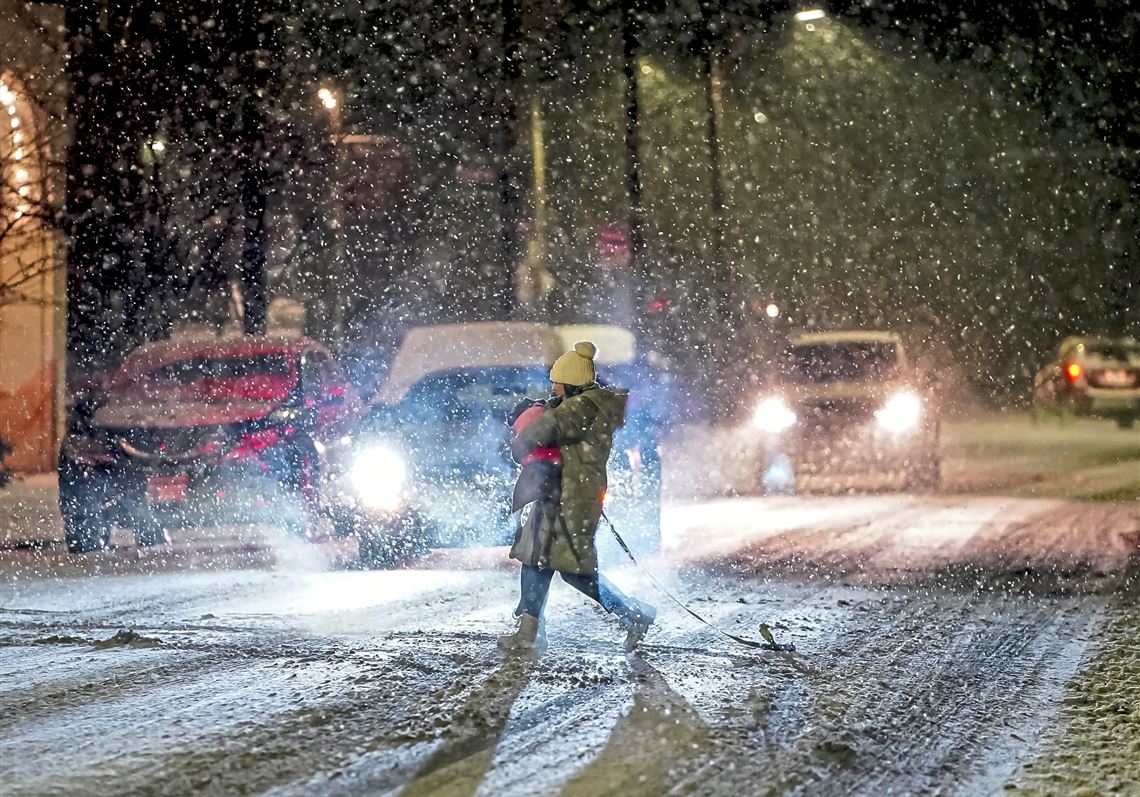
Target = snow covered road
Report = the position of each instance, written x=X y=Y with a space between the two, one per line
x=934 y=636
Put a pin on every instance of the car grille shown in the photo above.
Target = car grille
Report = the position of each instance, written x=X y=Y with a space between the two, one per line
x=170 y=443
x=837 y=412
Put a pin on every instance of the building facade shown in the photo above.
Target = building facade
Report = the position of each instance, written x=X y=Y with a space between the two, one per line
x=33 y=137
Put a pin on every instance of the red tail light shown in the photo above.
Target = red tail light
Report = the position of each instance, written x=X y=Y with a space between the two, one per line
x=1073 y=371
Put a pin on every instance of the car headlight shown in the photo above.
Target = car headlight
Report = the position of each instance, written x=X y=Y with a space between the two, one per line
x=902 y=412
x=773 y=415
x=378 y=475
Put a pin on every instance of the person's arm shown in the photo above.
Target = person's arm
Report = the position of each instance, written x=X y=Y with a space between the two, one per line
x=537 y=434
x=572 y=419
x=566 y=424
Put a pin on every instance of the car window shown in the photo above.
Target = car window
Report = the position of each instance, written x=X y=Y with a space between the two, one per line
x=474 y=394
x=220 y=377
x=1110 y=350
x=319 y=372
x=839 y=362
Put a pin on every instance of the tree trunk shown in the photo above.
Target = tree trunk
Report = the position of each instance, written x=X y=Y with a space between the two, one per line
x=630 y=34
x=254 y=185
x=501 y=290
x=254 y=238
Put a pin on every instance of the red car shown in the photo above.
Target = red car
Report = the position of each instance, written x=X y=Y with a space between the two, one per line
x=1091 y=377
x=205 y=431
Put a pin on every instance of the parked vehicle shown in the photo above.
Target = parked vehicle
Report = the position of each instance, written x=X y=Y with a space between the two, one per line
x=847 y=401
x=1091 y=377
x=431 y=464
x=205 y=431
x=5 y=472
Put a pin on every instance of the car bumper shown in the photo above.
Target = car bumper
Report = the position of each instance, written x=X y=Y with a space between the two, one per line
x=1109 y=403
x=450 y=515
x=853 y=448
x=223 y=495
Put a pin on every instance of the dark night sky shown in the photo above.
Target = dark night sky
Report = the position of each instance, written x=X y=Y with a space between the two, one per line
x=1083 y=62
x=1072 y=61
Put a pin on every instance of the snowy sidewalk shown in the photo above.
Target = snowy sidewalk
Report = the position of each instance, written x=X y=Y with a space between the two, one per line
x=29 y=511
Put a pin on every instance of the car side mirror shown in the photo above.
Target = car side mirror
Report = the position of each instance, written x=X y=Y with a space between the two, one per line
x=82 y=414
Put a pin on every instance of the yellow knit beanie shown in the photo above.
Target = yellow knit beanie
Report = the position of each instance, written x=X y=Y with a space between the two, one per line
x=576 y=368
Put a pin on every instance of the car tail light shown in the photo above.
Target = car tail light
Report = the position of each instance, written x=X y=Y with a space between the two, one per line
x=251 y=444
x=1073 y=371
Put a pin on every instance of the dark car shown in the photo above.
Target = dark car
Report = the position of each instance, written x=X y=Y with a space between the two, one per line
x=1091 y=378
x=205 y=432
x=848 y=402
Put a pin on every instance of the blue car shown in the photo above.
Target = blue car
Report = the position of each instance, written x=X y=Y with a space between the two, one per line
x=430 y=464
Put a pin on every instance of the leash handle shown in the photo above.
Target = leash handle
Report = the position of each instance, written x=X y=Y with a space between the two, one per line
x=746 y=642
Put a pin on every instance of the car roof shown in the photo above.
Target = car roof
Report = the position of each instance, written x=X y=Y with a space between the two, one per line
x=1095 y=340
x=845 y=336
x=1082 y=343
x=439 y=348
x=616 y=345
x=449 y=347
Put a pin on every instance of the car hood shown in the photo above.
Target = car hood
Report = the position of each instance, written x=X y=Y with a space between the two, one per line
x=178 y=414
x=841 y=391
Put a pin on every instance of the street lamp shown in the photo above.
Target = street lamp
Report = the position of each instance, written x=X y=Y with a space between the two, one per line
x=810 y=15
x=330 y=99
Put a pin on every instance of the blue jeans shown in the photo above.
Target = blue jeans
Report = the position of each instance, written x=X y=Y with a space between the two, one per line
x=536 y=588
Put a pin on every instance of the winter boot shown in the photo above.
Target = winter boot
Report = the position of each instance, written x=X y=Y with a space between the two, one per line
x=530 y=637
x=636 y=622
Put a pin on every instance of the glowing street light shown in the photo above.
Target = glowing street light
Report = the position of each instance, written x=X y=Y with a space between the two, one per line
x=810 y=15
x=772 y=310
x=327 y=97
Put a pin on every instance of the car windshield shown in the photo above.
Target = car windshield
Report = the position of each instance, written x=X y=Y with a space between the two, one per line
x=213 y=377
x=1111 y=350
x=861 y=361
x=474 y=394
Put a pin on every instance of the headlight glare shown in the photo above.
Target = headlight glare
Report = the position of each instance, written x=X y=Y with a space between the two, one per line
x=773 y=415
x=902 y=412
x=378 y=475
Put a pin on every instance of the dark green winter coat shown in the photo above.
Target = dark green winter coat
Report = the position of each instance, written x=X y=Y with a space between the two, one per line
x=582 y=427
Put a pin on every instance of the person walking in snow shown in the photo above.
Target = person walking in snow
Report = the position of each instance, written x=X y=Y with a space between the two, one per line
x=564 y=445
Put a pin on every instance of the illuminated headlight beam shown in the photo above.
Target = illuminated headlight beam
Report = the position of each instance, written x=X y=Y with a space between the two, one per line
x=773 y=415
x=378 y=476
x=901 y=412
